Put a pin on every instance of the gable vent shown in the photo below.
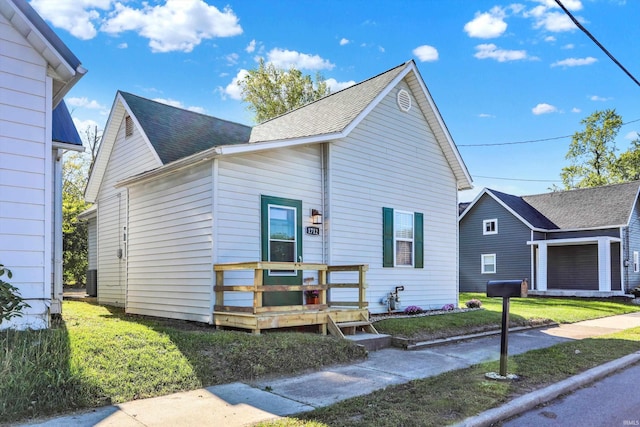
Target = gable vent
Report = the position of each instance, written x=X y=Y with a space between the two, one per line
x=128 y=126
x=404 y=100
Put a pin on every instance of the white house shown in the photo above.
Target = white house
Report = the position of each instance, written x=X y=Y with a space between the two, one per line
x=177 y=192
x=36 y=71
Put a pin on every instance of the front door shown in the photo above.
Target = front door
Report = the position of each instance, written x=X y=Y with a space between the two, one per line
x=281 y=241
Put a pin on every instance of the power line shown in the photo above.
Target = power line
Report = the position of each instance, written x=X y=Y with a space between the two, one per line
x=584 y=30
x=517 y=179
x=491 y=144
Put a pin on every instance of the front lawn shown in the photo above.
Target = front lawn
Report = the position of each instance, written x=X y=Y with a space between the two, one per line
x=98 y=355
x=531 y=311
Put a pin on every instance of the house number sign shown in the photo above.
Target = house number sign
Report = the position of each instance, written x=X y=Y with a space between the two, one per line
x=314 y=231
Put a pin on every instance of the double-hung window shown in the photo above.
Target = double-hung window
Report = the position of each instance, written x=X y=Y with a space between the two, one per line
x=403 y=238
x=488 y=263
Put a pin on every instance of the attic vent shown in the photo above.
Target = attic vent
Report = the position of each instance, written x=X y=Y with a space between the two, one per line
x=404 y=100
x=128 y=126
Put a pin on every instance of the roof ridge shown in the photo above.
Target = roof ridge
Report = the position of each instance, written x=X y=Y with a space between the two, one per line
x=122 y=92
x=337 y=92
x=637 y=182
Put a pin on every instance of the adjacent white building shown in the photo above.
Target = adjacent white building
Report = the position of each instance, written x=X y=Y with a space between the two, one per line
x=36 y=71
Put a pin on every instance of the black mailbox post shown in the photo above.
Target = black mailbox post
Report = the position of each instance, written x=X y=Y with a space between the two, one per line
x=506 y=289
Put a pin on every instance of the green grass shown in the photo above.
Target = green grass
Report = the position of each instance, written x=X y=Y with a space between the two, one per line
x=453 y=396
x=99 y=355
x=522 y=312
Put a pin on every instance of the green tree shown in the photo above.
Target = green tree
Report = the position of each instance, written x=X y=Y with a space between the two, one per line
x=272 y=91
x=11 y=303
x=592 y=152
x=74 y=243
x=629 y=162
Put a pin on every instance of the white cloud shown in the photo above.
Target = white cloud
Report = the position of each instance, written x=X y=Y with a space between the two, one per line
x=335 y=85
x=599 y=98
x=251 y=47
x=283 y=58
x=123 y=46
x=550 y=39
x=576 y=110
x=486 y=116
x=232 y=58
x=632 y=135
x=426 y=53
x=568 y=46
x=569 y=4
x=344 y=41
x=575 y=62
x=177 y=25
x=487 y=25
x=83 y=103
x=543 y=109
x=83 y=125
x=491 y=51
x=555 y=22
x=179 y=104
x=77 y=17
x=233 y=89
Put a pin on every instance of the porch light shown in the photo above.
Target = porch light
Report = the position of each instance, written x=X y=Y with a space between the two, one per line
x=316 y=217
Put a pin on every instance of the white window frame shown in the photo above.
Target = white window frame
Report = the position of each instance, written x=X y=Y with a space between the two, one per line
x=636 y=262
x=483 y=264
x=396 y=239
x=489 y=221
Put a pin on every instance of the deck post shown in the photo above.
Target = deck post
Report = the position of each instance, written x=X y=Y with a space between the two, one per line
x=257 y=296
x=322 y=280
x=362 y=278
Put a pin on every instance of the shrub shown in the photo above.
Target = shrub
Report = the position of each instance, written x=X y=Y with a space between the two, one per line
x=413 y=309
x=448 y=307
x=474 y=303
x=11 y=304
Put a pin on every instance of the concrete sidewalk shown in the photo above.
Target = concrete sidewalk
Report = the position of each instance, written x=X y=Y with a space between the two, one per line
x=241 y=404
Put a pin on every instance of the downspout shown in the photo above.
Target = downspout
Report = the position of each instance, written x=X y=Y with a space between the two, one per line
x=323 y=199
x=57 y=292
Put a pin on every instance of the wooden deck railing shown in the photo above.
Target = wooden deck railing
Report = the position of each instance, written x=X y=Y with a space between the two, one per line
x=258 y=287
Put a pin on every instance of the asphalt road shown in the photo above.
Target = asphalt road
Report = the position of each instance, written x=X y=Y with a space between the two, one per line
x=611 y=402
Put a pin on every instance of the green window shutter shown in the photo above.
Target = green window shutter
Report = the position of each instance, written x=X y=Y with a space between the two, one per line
x=387 y=237
x=418 y=240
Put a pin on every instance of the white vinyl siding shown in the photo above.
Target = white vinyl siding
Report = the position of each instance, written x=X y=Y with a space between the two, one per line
x=392 y=159
x=127 y=158
x=293 y=173
x=170 y=243
x=25 y=175
x=488 y=263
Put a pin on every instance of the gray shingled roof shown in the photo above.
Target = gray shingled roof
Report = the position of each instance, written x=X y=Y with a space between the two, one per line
x=609 y=205
x=525 y=210
x=331 y=114
x=176 y=133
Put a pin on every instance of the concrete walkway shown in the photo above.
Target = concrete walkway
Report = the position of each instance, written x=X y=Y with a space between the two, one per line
x=241 y=404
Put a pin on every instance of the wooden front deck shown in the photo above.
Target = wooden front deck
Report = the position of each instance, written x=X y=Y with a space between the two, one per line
x=337 y=317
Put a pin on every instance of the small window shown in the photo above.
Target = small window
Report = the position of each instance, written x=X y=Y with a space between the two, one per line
x=636 y=262
x=488 y=263
x=402 y=238
x=128 y=126
x=490 y=226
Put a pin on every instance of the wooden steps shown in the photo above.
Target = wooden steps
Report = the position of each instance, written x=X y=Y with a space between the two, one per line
x=340 y=329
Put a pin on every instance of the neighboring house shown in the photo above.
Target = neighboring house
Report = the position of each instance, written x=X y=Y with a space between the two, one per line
x=177 y=192
x=36 y=71
x=582 y=242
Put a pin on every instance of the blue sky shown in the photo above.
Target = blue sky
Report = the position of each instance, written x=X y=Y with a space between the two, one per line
x=499 y=71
